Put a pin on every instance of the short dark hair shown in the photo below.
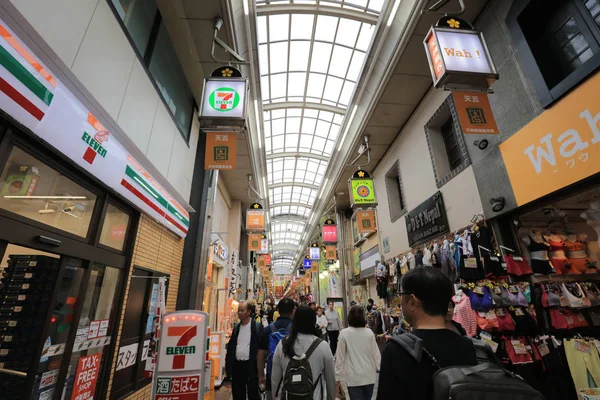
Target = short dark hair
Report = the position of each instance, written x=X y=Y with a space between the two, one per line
x=311 y=303
x=251 y=306
x=371 y=301
x=286 y=306
x=356 y=317
x=431 y=287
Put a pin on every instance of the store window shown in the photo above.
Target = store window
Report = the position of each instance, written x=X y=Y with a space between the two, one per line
x=36 y=191
x=446 y=144
x=559 y=42
x=96 y=324
x=136 y=333
x=114 y=228
x=142 y=22
x=395 y=192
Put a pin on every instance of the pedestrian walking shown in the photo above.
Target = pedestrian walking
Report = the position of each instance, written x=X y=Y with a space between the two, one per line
x=357 y=359
x=270 y=313
x=322 y=323
x=270 y=338
x=334 y=324
x=303 y=363
x=240 y=361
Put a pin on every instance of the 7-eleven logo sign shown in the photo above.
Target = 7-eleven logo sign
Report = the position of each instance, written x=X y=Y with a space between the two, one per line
x=95 y=141
x=185 y=334
x=224 y=99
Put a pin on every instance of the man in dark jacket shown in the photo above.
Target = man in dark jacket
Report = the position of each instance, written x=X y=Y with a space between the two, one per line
x=240 y=362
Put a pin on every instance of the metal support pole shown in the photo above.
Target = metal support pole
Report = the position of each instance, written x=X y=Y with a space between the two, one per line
x=342 y=259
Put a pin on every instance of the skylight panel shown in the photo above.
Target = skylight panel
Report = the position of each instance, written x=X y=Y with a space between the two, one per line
x=321 y=55
x=326 y=27
x=302 y=26
x=347 y=32
x=340 y=60
x=279 y=27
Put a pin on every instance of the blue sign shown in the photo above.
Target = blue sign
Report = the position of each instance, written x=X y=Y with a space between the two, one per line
x=307 y=264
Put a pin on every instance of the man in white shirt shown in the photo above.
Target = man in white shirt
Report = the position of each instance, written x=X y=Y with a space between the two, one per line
x=334 y=324
x=240 y=362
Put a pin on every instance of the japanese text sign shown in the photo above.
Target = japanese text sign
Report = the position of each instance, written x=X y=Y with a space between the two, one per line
x=179 y=388
x=459 y=58
x=261 y=262
x=315 y=253
x=221 y=148
x=307 y=263
x=475 y=113
x=362 y=190
x=255 y=218
x=330 y=252
x=254 y=242
x=86 y=377
x=365 y=221
x=329 y=233
x=558 y=148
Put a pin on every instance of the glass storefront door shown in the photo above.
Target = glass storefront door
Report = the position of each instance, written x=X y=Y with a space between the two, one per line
x=56 y=320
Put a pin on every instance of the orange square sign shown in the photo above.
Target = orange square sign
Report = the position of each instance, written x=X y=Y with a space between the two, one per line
x=221 y=148
x=365 y=221
x=255 y=221
x=331 y=252
x=475 y=113
x=254 y=242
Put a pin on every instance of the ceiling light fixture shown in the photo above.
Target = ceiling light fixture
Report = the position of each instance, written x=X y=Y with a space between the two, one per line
x=392 y=14
x=347 y=128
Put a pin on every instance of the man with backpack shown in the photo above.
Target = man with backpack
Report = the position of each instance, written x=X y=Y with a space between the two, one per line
x=270 y=338
x=434 y=362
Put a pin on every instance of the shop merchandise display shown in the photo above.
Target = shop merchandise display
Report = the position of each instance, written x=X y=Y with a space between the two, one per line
x=25 y=293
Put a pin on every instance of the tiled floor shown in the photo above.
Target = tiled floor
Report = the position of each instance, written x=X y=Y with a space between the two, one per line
x=224 y=392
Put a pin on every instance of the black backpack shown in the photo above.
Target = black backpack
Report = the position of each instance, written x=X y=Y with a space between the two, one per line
x=297 y=382
x=486 y=380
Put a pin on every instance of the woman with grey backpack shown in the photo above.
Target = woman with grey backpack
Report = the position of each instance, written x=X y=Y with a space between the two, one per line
x=303 y=366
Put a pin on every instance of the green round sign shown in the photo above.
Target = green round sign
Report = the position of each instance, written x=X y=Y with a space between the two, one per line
x=224 y=99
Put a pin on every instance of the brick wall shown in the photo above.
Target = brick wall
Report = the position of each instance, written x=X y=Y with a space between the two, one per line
x=159 y=249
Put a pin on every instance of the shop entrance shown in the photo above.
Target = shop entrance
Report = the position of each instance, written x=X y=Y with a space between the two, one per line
x=63 y=257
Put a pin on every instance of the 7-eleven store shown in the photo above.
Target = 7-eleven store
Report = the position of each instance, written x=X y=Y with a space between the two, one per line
x=85 y=234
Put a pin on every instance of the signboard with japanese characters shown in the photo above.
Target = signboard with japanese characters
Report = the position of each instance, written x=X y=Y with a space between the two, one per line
x=255 y=218
x=362 y=190
x=458 y=56
x=180 y=364
x=331 y=253
x=427 y=221
x=475 y=113
x=365 y=221
x=329 y=232
x=221 y=148
x=315 y=251
x=254 y=242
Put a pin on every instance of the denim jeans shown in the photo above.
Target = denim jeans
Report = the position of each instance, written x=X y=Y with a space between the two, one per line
x=361 y=392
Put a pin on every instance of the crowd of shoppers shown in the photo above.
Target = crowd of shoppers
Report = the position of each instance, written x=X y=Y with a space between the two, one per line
x=348 y=367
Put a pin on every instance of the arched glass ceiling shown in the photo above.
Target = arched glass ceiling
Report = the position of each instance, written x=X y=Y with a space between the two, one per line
x=311 y=54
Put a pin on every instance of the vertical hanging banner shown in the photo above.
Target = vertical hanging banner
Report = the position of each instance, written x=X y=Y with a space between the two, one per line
x=261 y=262
x=255 y=218
x=307 y=263
x=315 y=251
x=362 y=189
x=268 y=259
x=331 y=252
x=254 y=242
x=475 y=113
x=329 y=232
x=365 y=221
x=221 y=148
x=264 y=244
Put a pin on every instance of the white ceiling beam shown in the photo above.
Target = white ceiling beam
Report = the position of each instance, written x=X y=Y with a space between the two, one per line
x=348 y=13
x=304 y=104
x=274 y=156
x=290 y=184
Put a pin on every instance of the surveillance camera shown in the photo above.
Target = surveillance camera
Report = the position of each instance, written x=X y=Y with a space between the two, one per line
x=497 y=203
